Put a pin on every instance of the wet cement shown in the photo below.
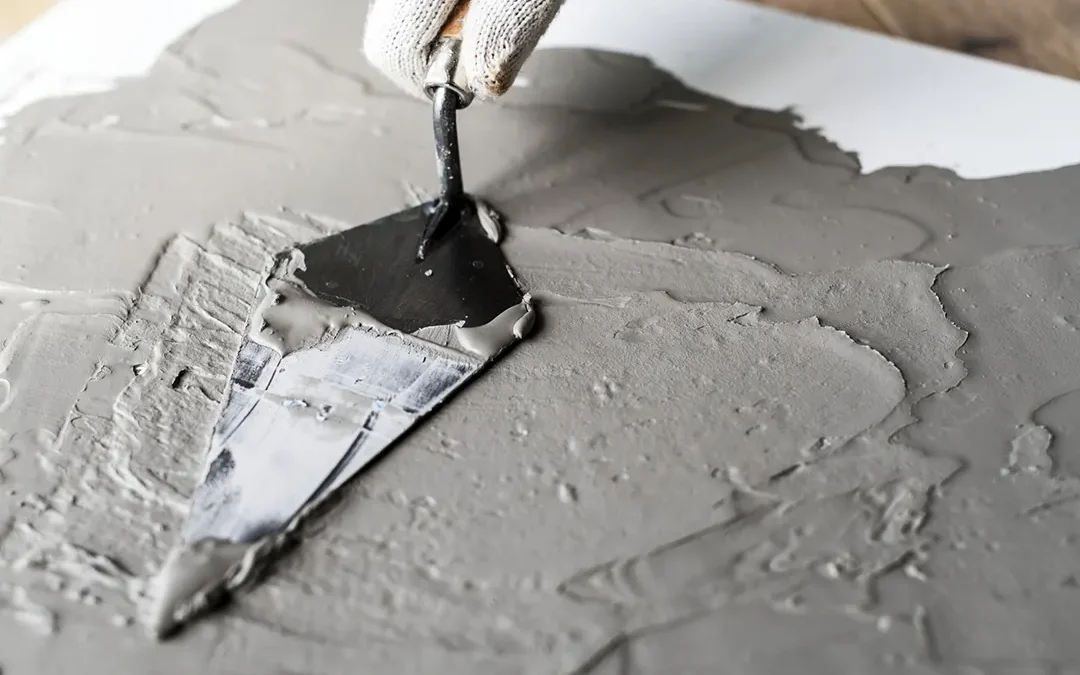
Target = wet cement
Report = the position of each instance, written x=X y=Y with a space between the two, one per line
x=317 y=369
x=818 y=422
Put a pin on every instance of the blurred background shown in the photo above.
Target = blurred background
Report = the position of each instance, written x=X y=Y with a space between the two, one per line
x=14 y=14
x=1039 y=34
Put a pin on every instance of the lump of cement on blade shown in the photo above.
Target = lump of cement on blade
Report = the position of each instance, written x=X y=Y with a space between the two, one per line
x=490 y=220
x=190 y=581
x=488 y=340
x=289 y=317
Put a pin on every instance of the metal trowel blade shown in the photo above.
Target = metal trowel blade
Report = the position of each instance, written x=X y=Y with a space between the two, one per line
x=297 y=424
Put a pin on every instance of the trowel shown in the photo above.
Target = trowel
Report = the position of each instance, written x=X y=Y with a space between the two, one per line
x=354 y=339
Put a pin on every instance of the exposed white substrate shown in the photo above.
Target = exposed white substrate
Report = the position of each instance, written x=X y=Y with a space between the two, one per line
x=693 y=388
x=806 y=559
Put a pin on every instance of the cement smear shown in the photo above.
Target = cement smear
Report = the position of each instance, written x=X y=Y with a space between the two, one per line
x=830 y=430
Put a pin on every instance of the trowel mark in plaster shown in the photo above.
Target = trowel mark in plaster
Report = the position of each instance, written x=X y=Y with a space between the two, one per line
x=215 y=275
x=893 y=351
x=173 y=283
x=189 y=293
x=804 y=557
x=923 y=349
x=635 y=261
x=594 y=330
x=19 y=302
x=43 y=362
x=197 y=288
x=756 y=639
x=705 y=332
x=780 y=169
x=911 y=361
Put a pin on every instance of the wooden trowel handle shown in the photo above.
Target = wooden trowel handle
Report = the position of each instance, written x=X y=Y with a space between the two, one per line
x=455 y=23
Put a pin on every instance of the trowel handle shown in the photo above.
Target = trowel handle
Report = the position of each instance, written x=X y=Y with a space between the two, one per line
x=455 y=23
x=444 y=69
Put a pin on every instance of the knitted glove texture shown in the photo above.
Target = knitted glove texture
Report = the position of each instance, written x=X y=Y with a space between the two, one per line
x=498 y=36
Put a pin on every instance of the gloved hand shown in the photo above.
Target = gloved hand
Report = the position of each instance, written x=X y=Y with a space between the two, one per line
x=498 y=36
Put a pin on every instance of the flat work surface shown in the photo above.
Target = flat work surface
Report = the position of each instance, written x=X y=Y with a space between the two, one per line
x=779 y=413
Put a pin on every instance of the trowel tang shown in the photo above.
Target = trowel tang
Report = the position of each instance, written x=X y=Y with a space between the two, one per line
x=445 y=85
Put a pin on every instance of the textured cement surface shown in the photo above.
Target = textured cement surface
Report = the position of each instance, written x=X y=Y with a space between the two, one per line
x=777 y=417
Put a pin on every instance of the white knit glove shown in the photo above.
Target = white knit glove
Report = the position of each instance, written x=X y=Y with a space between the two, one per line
x=498 y=36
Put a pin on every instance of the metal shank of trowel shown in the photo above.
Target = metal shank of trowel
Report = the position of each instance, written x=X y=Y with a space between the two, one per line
x=446 y=86
x=447 y=97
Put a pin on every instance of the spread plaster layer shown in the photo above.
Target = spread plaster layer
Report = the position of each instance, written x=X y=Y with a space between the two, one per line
x=850 y=452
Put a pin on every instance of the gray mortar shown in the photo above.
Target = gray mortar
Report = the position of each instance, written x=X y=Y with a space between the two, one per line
x=766 y=449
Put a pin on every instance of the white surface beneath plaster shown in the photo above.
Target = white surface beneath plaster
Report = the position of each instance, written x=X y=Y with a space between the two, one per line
x=892 y=102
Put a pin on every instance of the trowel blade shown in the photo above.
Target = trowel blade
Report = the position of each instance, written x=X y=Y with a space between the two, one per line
x=299 y=423
x=309 y=421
